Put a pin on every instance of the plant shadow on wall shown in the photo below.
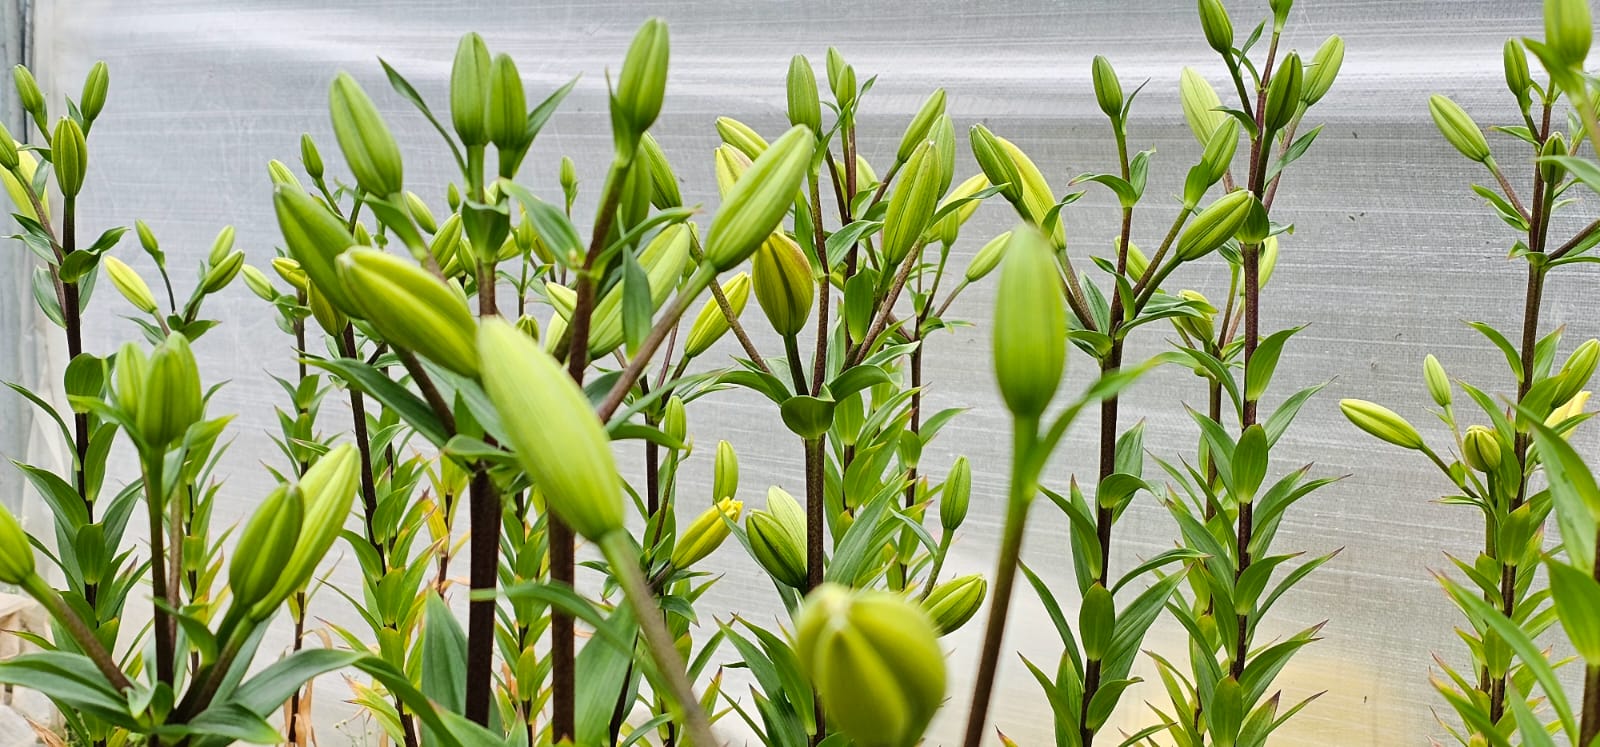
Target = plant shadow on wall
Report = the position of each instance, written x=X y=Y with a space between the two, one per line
x=511 y=407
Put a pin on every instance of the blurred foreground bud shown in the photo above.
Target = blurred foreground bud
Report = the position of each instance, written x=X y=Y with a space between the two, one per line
x=875 y=661
x=706 y=533
x=265 y=546
x=1481 y=447
x=1568 y=31
x=16 y=553
x=1030 y=325
x=365 y=140
x=783 y=284
x=412 y=308
x=710 y=324
x=129 y=284
x=759 y=200
x=552 y=428
x=1458 y=128
x=778 y=538
x=1381 y=422
x=957 y=495
x=954 y=602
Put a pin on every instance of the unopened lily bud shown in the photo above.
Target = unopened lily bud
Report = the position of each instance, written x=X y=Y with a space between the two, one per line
x=1107 y=89
x=643 y=81
x=1030 y=325
x=921 y=124
x=259 y=284
x=875 y=661
x=951 y=604
x=804 y=107
x=865 y=175
x=1518 y=81
x=280 y=175
x=1573 y=408
x=783 y=284
x=529 y=326
x=841 y=79
x=1323 y=70
x=1214 y=22
x=1218 y=155
x=674 y=420
x=997 y=164
x=16 y=553
x=1381 y=422
x=8 y=150
x=447 y=240
x=725 y=472
x=469 y=90
x=365 y=140
x=1269 y=259
x=1096 y=621
x=222 y=273
x=1199 y=328
x=948 y=229
x=706 y=533
x=663 y=183
x=1438 y=382
x=1568 y=31
x=314 y=238
x=1550 y=169
x=508 y=106
x=265 y=546
x=710 y=324
x=1283 y=93
x=332 y=320
x=1458 y=128
x=1215 y=225
x=131 y=367
x=290 y=271
x=943 y=135
x=221 y=246
x=421 y=214
x=1036 y=193
x=1577 y=371
x=1482 y=448
x=957 y=495
x=741 y=137
x=172 y=400
x=759 y=200
x=129 y=284
x=1201 y=105
x=730 y=164
x=912 y=204
x=70 y=156
x=29 y=95
x=310 y=157
x=553 y=430
x=147 y=240
x=327 y=490
x=452 y=196
x=1138 y=264
x=988 y=257
x=411 y=308
x=95 y=85
x=778 y=538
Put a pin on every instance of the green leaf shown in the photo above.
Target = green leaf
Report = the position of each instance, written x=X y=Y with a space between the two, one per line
x=407 y=405
x=1265 y=360
x=403 y=87
x=809 y=417
x=1513 y=358
x=1577 y=601
x=550 y=222
x=1574 y=492
x=856 y=379
x=235 y=722
x=637 y=306
x=444 y=655
x=267 y=690
x=1250 y=463
x=1532 y=656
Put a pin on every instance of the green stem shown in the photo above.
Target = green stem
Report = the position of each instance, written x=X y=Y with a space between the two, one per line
x=155 y=500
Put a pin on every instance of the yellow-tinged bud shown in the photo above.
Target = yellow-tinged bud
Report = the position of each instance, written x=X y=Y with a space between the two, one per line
x=1138 y=264
x=1458 y=128
x=327 y=490
x=804 y=106
x=1482 y=448
x=1573 y=408
x=1201 y=105
x=921 y=124
x=957 y=495
x=778 y=538
x=1199 y=328
x=469 y=90
x=412 y=308
x=1437 y=380
x=69 y=154
x=951 y=604
x=171 y=399
x=1107 y=89
x=265 y=546
x=553 y=430
x=706 y=533
x=280 y=175
x=997 y=165
x=663 y=260
x=1030 y=325
x=16 y=553
x=875 y=661
x=422 y=215
x=783 y=284
x=759 y=200
x=1381 y=422
x=8 y=150
x=1036 y=192
x=290 y=271
x=730 y=164
x=259 y=284
x=643 y=81
x=912 y=204
x=447 y=240
x=1324 y=69
x=710 y=324
x=93 y=99
x=1269 y=259
x=741 y=137
x=1215 y=225
x=130 y=285
x=1568 y=31
x=1217 y=27
x=310 y=157
x=663 y=183
x=1283 y=93
x=948 y=229
x=315 y=238
x=725 y=472
x=368 y=146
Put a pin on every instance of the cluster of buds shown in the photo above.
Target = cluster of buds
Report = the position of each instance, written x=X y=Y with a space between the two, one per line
x=158 y=393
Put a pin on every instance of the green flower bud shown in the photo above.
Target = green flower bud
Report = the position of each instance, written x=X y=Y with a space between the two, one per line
x=29 y=95
x=222 y=273
x=912 y=204
x=70 y=156
x=643 y=81
x=368 y=146
x=997 y=164
x=1199 y=328
x=1458 y=128
x=529 y=326
x=1217 y=27
x=1381 y=422
x=1269 y=259
x=741 y=137
x=508 y=105
x=1438 y=382
x=1036 y=193
x=943 y=135
x=1030 y=325
x=16 y=552
x=171 y=399
x=281 y=176
x=327 y=490
x=778 y=538
x=921 y=124
x=131 y=369
x=422 y=215
x=221 y=246
x=663 y=260
x=804 y=108
x=1218 y=155
x=865 y=176
x=314 y=238
x=957 y=495
x=265 y=546
x=710 y=324
x=411 y=308
x=875 y=661
x=553 y=430
x=259 y=284
x=129 y=284
x=730 y=164
x=706 y=533
x=988 y=257
x=725 y=472
x=1568 y=31
x=783 y=284
x=1549 y=169
x=841 y=79
x=1201 y=105
x=948 y=229
x=18 y=187
x=951 y=604
x=1107 y=89
x=1324 y=68
x=663 y=183
x=1482 y=448
x=447 y=240
x=310 y=157
x=1577 y=371
x=95 y=85
x=469 y=90
x=290 y=271
x=1096 y=621
x=1283 y=93
x=1137 y=262
x=1215 y=225
x=759 y=200
x=8 y=150
x=1518 y=79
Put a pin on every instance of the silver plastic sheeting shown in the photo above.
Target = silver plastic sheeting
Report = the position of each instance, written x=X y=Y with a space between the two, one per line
x=1390 y=251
